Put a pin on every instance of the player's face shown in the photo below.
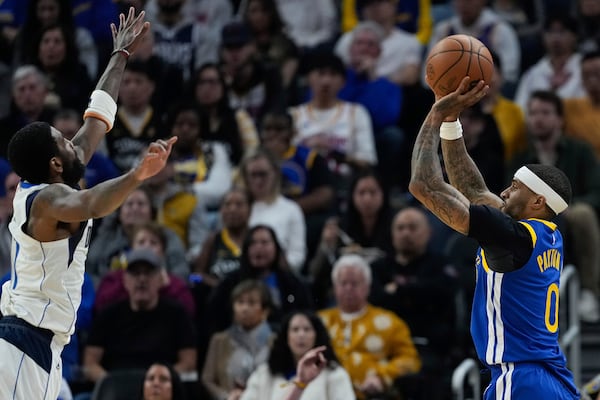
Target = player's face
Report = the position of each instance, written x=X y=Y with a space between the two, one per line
x=516 y=197
x=235 y=210
x=158 y=384
x=367 y=196
x=248 y=311
x=262 y=250
x=73 y=167
x=351 y=289
x=301 y=335
x=410 y=232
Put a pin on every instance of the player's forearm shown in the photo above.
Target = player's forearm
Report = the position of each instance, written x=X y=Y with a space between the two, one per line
x=107 y=196
x=426 y=170
x=462 y=172
x=110 y=81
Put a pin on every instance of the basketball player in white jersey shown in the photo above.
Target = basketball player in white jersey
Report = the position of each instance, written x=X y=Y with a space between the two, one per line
x=51 y=229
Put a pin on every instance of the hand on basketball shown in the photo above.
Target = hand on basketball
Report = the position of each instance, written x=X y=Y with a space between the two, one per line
x=155 y=158
x=466 y=95
x=131 y=29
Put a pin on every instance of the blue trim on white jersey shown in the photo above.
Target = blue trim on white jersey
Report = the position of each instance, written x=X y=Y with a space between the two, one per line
x=15 y=276
x=35 y=342
x=74 y=241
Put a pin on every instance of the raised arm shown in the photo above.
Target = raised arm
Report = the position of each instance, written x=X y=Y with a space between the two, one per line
x=126 y=38
x=427 y=182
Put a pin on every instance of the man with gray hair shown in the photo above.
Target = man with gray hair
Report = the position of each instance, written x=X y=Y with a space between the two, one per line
x=373 y=345
x=29 y=90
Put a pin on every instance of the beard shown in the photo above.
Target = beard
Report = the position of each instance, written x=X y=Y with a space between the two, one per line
x=73 y=172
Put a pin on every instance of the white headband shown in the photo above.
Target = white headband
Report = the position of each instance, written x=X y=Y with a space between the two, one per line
x=538 y=186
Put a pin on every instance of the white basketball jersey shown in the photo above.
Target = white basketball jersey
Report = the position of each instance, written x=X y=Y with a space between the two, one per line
x=46 y=277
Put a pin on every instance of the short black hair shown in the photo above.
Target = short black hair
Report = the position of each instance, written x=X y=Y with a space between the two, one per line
x=30 y=150
x=253 y=285
x=141 y=67
x=549 y=97
x=281 y=359
x=556 y=179
x=322 y=59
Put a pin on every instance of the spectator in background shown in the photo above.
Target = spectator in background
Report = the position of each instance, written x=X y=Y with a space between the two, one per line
x=473 y=17
x=136 y=123
x=221 y=251
x=44 y=13
x=365 y=87
x=180 y=40
x=141 y=330
x=559 y=70
x=111 y=243
x=219 y=122
x=420 y=286
x=236 y=352
x=400 y=53
x=100 y=168
x=272 y=44
x=374 y=345
x=300 y=332
x=588 y=24
x=68 y=80
x=162 y=382
x=262 y=259
x=582 y=115
x=508 y=115
x=549 y=146
x=11 y=183
x=253 y=85
x=262 y=178
x=29 y=91
x=306 y=179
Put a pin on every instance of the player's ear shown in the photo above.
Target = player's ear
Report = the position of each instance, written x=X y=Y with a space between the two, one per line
x=539 y=202
x=56 y=165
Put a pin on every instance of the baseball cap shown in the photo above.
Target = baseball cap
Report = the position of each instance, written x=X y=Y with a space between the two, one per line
x=235 y=34
x=139 y=257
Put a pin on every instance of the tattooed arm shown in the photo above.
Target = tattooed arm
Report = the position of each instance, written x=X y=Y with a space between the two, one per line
x=427 y=182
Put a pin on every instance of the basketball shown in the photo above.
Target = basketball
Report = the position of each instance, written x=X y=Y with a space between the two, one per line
x=453 y=58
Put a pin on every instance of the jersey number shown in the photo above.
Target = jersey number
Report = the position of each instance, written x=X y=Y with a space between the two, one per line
x=552 y=299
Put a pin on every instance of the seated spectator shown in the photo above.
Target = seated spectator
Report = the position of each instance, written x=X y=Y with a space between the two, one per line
x=420 y=286
x=559 y=70
x=308 y=368
x=100 y=168
x=136 y=123
x=262 y=176
x=262 y=259
x=203 y=165
x=44 y=13
x=340 y=131
x=588 y=27
x=235 y=353
x=273 y=45
x=11 y=182
x=400 y=51
x=582 y=115
x=252 y=85
x=221 y=251
x=219 y=122
x=374 y=345
x=149 y=235
x=363 y=228
x=69 y=82
x=141 y=330
x=306 y=179
x=29 y=91
x=112 y=241
x=162 y=382
x=300 y=332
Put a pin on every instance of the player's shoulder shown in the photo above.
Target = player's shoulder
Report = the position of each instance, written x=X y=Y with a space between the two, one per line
x=54 y=191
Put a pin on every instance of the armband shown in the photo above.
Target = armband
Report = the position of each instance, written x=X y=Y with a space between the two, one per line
x=125 y=52
x=101 y=106
x=451 y=130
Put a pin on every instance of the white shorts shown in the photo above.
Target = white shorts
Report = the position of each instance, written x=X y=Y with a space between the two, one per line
x=29 y=361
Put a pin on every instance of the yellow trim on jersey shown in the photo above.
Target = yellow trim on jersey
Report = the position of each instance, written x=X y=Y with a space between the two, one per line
x=484 y=262
x=310 y=159
x=289 y=153
x=531 y=231
x=549 y=224
x=229 y=243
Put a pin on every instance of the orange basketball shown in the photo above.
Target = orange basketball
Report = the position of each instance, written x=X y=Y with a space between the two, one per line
x=453 y=58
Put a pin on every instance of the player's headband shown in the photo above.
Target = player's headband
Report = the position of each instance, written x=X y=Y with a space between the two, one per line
x=538 y=186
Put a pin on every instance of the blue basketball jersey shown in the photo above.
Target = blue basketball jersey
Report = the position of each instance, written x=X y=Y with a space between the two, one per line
x=515 y=314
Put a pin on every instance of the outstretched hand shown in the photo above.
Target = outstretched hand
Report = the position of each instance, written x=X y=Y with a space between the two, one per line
x=131 y=29
x=451 y=105
x=155 y=158
x=311 y=364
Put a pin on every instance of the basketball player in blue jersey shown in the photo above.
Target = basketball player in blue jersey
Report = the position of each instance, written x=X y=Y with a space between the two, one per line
x=51 y=229
x=514 y=322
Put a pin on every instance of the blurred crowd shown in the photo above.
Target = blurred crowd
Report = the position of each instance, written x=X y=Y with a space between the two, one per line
x=282 y=220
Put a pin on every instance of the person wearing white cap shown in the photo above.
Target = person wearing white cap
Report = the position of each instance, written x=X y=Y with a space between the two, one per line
x=514 y=322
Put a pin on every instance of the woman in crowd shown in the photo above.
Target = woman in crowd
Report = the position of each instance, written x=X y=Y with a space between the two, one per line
x=300 y=332
x=162 y=382
x=234 y=353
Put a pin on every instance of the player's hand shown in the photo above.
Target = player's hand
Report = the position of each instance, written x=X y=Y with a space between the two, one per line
x=154 y=159
x=131 y=29
x=311 y=364
x=466 y=95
